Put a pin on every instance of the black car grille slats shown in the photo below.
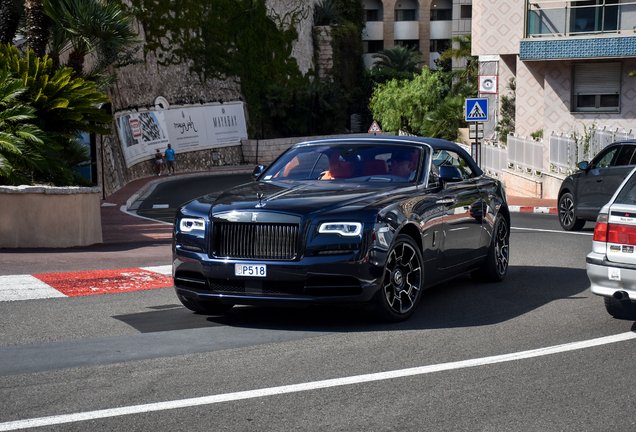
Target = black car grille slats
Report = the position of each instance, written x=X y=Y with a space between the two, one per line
x=255 y=241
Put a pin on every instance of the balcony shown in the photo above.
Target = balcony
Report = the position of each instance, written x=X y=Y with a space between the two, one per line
x=549 y=18
x=374 y=30
x=579 y=29
x=406 y=30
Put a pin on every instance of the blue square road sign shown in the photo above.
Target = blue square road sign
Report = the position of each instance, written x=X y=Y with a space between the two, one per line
x=476 y=110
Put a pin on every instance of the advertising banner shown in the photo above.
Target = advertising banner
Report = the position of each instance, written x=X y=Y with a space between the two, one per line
x=187 y=129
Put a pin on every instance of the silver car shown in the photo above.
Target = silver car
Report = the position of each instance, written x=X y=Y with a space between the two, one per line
x=611 y=266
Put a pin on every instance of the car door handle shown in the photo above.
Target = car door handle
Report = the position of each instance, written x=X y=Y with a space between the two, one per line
x=599 y=180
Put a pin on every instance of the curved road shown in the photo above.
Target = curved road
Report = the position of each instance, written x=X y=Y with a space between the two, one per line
x=536 y=352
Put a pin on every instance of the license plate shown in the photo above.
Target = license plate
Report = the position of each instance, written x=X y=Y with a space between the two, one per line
x=254 y=270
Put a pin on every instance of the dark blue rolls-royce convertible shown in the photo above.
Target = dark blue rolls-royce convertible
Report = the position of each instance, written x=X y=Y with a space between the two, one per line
x=368 y=220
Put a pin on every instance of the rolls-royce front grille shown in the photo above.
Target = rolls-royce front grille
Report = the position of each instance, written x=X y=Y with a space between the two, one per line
x=255 y=241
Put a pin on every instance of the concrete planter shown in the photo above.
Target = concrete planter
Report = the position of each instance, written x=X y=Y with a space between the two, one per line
x=45 y=216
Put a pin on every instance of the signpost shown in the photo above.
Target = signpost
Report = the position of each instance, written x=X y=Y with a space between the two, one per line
x=476 y=110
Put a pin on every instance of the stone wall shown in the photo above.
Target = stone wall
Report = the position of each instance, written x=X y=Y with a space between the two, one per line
x=48 y=217
x=269 y=149
x=139 y=85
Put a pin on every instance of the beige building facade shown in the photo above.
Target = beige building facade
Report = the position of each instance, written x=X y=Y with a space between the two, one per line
x=570 y=60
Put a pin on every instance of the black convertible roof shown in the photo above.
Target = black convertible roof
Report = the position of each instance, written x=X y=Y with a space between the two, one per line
x=435 y=143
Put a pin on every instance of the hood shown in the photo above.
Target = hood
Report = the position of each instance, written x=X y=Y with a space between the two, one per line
x=298 y=198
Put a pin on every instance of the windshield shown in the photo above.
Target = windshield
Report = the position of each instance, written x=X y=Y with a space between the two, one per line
x=349 y=162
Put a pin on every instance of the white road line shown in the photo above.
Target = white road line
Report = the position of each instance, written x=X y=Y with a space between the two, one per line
x=164 y=269
x=315 y=385
x=553 y=231
x=25 y=287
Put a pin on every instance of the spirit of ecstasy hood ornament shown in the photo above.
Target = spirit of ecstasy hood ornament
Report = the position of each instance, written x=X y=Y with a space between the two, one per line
x=259 y=196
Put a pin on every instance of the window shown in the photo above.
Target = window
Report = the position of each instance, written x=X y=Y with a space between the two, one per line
x=596 y=87
x=450 y=158
x=466 y=12
x=405 y=15
x=373 y=15
x=440 y=45
x=626 y=156
x=415 y=44
x=372 y=47
x=604 y=159
x=588 y=16
x=441 y=14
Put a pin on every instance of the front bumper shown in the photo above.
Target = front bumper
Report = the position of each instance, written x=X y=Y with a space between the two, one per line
x=610 y=279
x=310 y=280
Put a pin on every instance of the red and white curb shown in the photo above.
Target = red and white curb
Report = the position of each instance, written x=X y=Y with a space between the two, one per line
x=72 y=284
x=526 y=209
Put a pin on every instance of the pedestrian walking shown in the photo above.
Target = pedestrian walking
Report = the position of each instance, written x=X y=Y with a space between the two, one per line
x=158 y=161
x=170 y=162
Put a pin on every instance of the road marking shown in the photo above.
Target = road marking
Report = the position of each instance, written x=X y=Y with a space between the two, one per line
x=70 y=284
x=25 y=287
x=314 y=385
x=553 y=231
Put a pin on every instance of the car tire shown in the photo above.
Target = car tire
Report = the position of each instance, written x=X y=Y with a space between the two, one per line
x=403 y=280
x=205 y=307
x=495 y=266
x=567 y=214
x=621 y=309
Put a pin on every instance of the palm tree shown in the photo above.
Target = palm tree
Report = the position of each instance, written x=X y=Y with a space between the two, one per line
x=37 y=26
x=10 y=15
x=86 y=26
x=461 y=50
x=399 y=58
x=20 y=141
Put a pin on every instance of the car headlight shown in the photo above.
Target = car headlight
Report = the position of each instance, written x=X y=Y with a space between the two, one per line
x=346 y=229
x=191 y=224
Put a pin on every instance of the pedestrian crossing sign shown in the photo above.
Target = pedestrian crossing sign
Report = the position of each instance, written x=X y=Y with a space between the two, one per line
x=477 y=110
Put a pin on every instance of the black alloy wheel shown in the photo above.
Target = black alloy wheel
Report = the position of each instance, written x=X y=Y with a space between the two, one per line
x=403 y=280
x=567 y=214
x=495 y=267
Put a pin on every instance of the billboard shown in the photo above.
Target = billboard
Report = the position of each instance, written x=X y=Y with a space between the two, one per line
x=187 y=129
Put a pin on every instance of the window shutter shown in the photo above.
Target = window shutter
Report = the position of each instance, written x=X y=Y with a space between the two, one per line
x=598 y=78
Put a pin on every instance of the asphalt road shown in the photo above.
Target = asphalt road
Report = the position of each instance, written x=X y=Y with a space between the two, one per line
x=474 y=357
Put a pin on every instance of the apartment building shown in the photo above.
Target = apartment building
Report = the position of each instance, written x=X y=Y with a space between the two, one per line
x=425 y=25
x=571 y=60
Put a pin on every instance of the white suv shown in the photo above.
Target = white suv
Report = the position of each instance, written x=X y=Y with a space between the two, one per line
x=611 y=266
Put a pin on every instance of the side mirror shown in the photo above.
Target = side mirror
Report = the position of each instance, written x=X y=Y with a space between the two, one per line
x=584 y=165
x=450 y=174
x=258 y=170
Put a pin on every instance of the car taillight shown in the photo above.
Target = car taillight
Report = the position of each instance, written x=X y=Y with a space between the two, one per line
x=600 y=230
x=621 y=234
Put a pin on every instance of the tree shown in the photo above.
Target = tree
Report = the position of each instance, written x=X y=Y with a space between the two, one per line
x=59 y=106
x=37 y=26
x=399 y=59
x=508 y=109
x=11 y=12
x=86 y=26
x=20 y=141
x=461 y=50
x=404 y=104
